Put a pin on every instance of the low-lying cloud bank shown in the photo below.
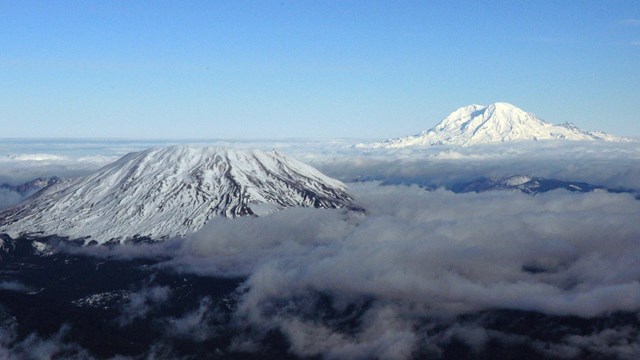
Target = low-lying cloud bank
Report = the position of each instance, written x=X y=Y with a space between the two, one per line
x=399 y=278
x=419 y=255
x=609 y=164
x=36 y=347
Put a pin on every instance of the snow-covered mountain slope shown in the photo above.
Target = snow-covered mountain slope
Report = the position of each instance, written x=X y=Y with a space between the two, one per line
x=499 y=122
x=167 y=192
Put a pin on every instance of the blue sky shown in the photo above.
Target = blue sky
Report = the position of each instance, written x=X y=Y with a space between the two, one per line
x=319 y=69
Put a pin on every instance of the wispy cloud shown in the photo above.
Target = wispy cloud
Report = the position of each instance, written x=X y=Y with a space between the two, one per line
x=142 y=302
x=635 y=43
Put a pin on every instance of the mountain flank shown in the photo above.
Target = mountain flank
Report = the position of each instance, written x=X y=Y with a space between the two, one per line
x=168 y=192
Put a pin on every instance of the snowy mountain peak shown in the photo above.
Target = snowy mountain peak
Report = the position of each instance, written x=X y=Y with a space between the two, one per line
x=168 y=192
x=498 y=122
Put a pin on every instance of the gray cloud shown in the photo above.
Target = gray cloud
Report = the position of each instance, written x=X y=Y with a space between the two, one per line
x=8 y=198
x=620 y=343
x=424 y=254
x=384 y=335
x=415 y=244
x=140 y=303
x=197 y=325
x=37 y=347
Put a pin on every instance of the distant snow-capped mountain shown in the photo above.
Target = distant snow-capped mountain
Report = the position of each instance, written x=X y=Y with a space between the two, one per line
x=499 y=122
x=167 y=192
x=530 y=185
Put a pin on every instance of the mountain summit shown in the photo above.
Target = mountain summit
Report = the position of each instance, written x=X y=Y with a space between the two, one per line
x=168 y=192
x=499 y=122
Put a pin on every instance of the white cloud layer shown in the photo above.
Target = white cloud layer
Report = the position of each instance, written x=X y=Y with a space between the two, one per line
x=614 y=165
x=611 y=164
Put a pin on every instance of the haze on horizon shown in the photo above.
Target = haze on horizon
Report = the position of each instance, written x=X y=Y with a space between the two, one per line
x=310 y=69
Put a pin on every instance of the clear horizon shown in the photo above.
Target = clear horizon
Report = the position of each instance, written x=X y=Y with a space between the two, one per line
x=278 y=70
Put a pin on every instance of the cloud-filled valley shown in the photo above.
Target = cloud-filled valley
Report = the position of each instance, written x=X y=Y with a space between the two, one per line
x=420 y=267
x=418 y=254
